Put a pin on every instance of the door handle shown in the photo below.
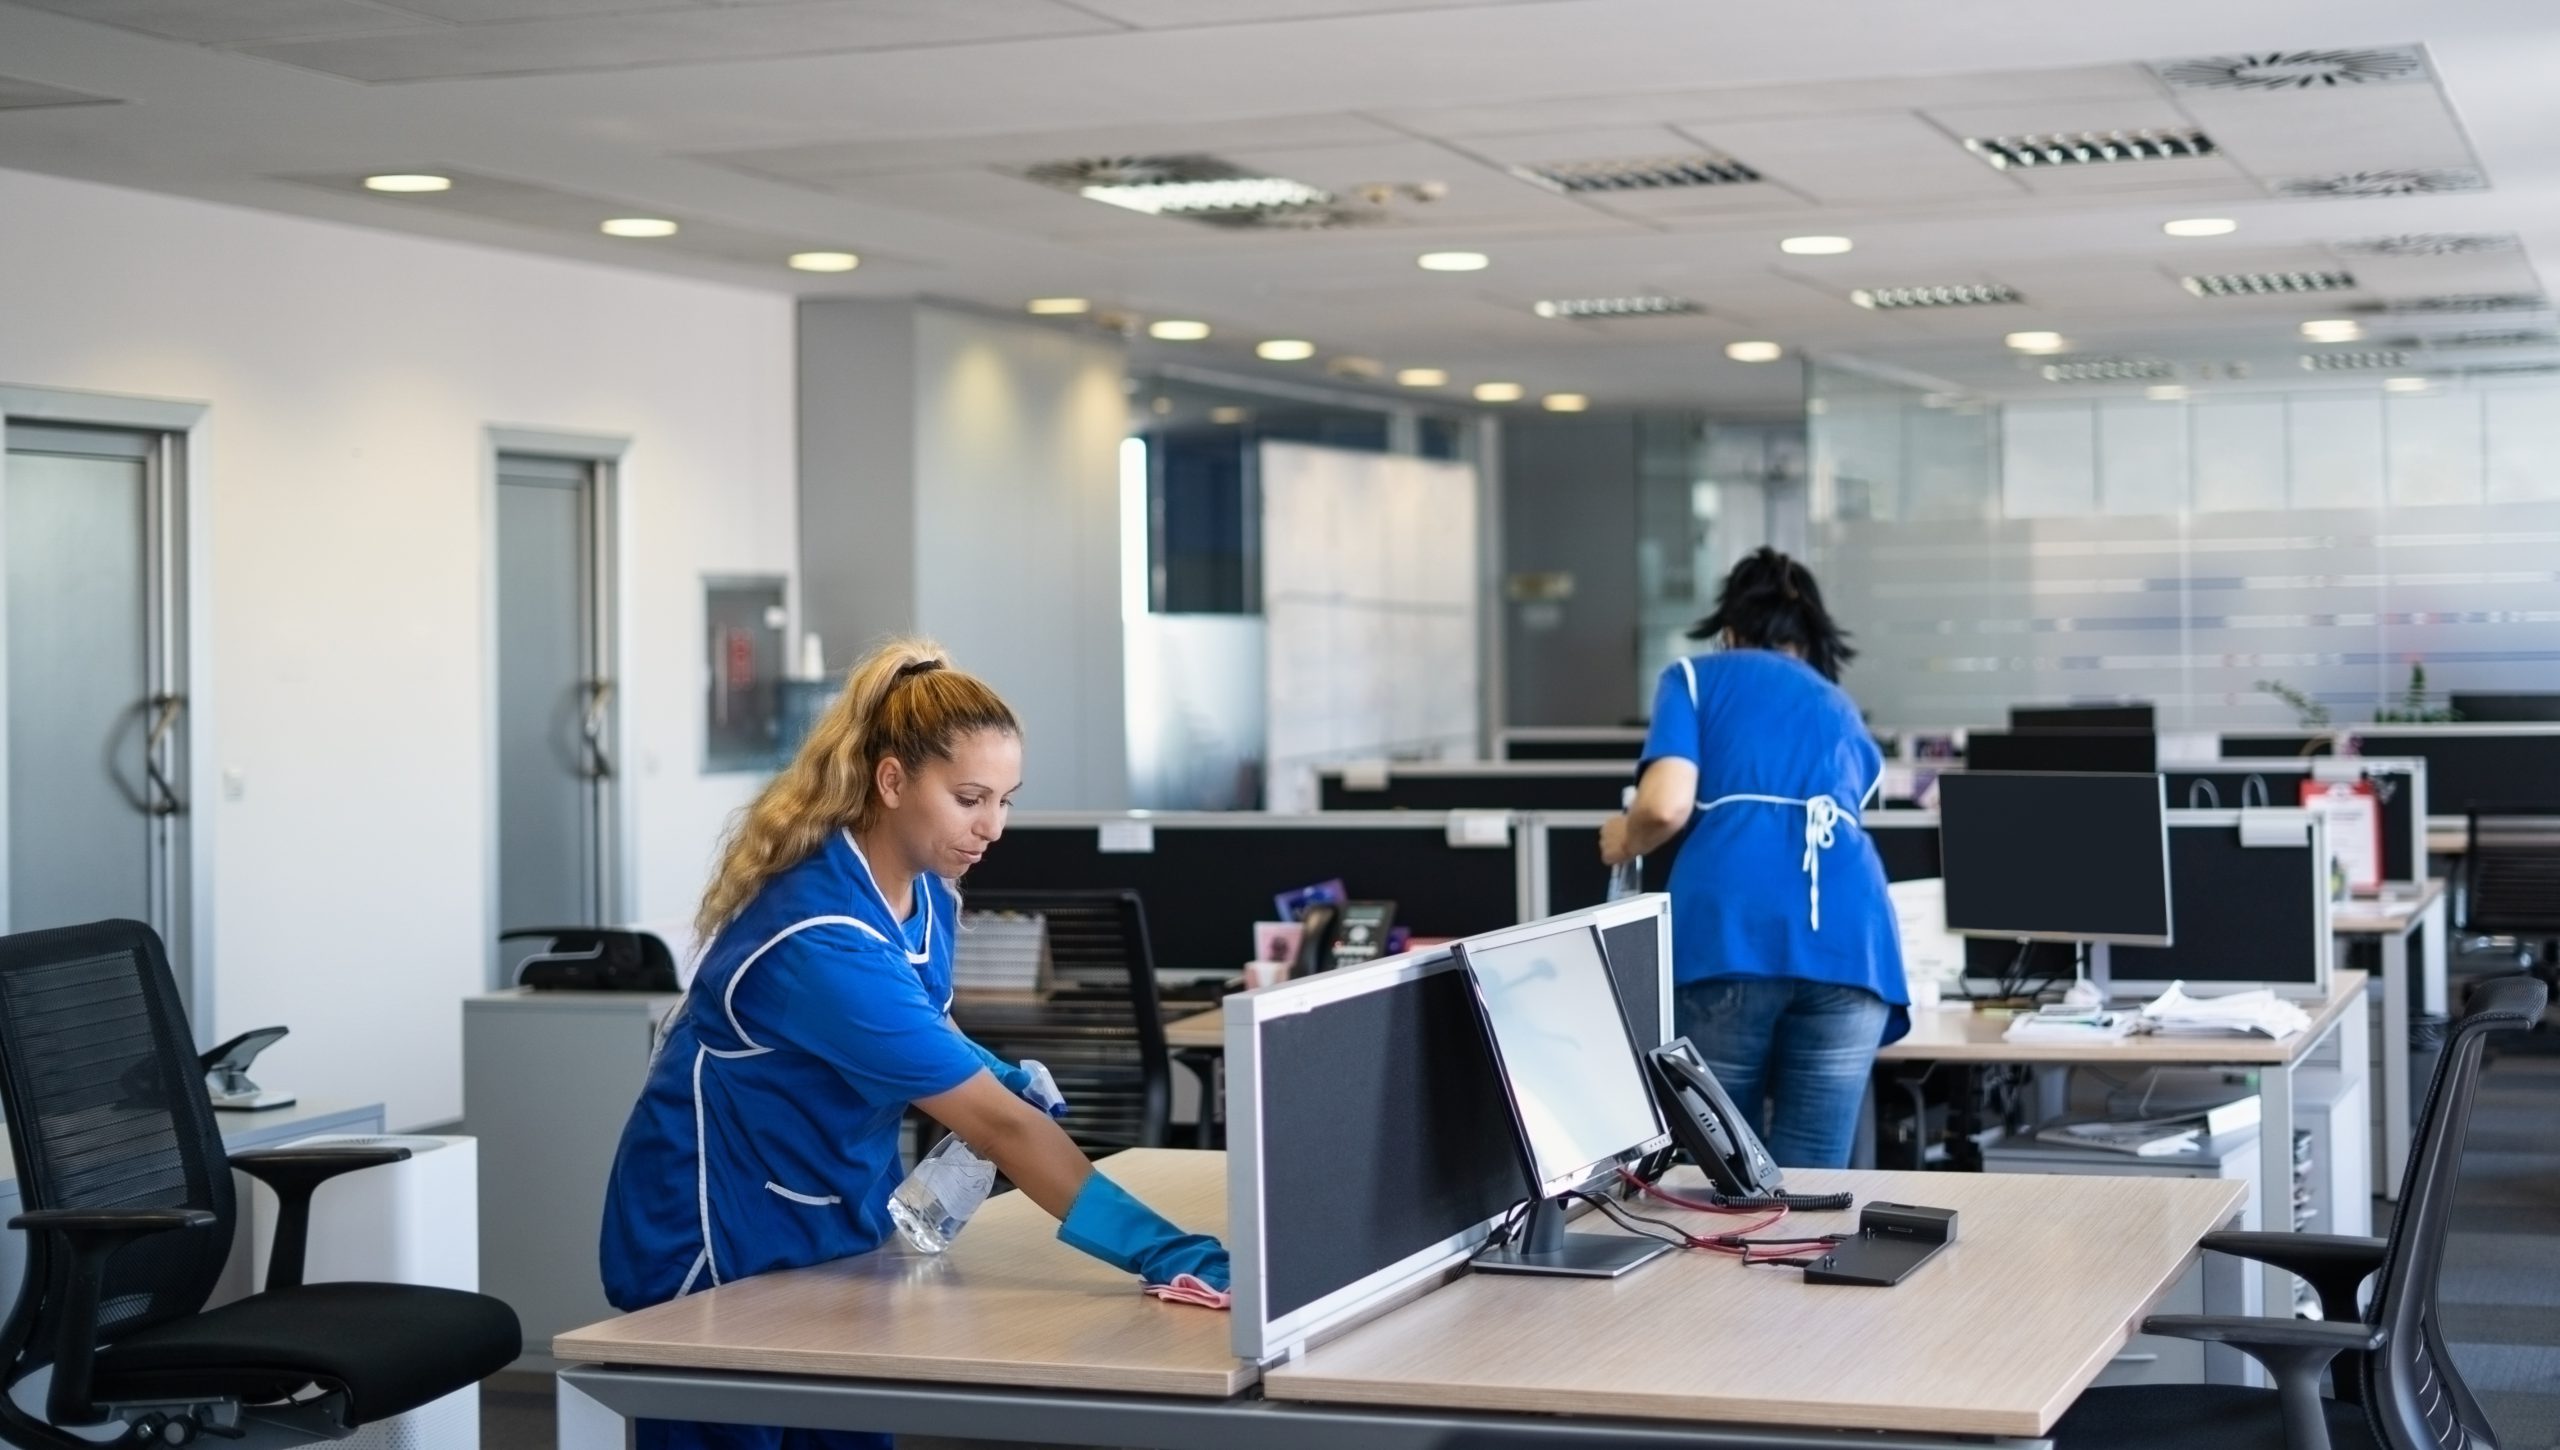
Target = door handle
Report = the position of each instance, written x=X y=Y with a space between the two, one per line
x=591 y=729
x=164 y=796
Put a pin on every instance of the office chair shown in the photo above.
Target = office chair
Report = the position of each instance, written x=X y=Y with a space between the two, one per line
x=129 y=1218
x=2511 y=876
x=2397 y=1388
x=1101 y=1028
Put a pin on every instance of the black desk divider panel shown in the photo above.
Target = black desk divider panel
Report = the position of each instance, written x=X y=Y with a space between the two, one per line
x=1636 y=966
x=2268 y=744
x=2222 y=786
x=1906 y=841
x=2242 y=915
x=1610 y=746
x=2471 y=766
x=1210 y=876
x=1524 y=786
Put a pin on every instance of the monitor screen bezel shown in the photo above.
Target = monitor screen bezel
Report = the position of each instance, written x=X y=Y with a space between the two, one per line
x=2159 y=783
x=1461 y=951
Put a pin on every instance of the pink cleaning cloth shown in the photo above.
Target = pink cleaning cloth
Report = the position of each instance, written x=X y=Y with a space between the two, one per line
x=1189 y=1289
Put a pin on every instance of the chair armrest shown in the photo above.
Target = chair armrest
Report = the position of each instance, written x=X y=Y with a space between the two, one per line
x=2334 y=1265
x=90 y=1236
x=2296 y=1351
x=294 y=1173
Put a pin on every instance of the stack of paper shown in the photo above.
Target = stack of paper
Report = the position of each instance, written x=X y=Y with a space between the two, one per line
x=2260 y=1011
x=2068 y=1024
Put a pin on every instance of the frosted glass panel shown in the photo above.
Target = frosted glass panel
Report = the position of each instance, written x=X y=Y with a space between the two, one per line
x=2336 y=446
x=2523 y=445
x=2142 y=458
x=2048 y=460
x=2239 y=455
x=2435 y=447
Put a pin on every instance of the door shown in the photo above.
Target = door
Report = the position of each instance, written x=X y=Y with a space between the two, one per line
x=556 y=772
x=96 y=788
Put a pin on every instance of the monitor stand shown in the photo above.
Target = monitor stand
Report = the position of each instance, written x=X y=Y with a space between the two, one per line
x=2094 y=986
x=1543 y=1247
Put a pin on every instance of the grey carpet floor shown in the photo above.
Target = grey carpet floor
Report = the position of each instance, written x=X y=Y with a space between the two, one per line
x=2500 y=1299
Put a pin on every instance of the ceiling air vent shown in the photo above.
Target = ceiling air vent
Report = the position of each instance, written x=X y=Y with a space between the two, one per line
x=2429 y=244
x=2465 y=304
x=1201 y=189
x=1959 y=294
x=2109 y=370
x=2414 y=181
x=2465 y=341
x=2512 y=370
x=1643 y=173
x=2267 y=284
x=2295 y=70
x=1605 y=308
x=2353 y=362
x=2090 y=148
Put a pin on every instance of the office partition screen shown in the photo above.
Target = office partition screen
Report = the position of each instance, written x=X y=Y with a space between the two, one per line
x=1207 y=878
x=1611 y=745
x=1905 y=841
x=2471 y=766
x=2400 y=785
x=1556 y=786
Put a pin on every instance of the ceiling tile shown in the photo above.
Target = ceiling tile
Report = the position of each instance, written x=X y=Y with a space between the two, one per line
x=233 y=22
x=2296 y=133
x=1848 y=159
x=612 y=42
x=483 y=12
x=1155 y=14
x=1475 y=190
x=2196 y=178
x=18 y=95
x=2078 y=85
x=853 y=158
x=2103 y=113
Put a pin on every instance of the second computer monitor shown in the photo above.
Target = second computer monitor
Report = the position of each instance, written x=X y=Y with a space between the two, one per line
x=2131 y=751
x=2057 y=857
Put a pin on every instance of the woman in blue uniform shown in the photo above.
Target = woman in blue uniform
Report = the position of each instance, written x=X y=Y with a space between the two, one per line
x=1787 y=963
x=767 y=1134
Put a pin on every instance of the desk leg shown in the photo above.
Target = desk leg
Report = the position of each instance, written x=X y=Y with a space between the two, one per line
x=2275 y=1181
x=2432 y=921
x=2395 y=1060
x=1203 y=1067
x=2348 y=1177
x=585 y=1423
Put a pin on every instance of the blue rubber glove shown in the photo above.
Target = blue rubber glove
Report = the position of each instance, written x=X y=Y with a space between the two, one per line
x=1019 y=1081
x=1107 y=1223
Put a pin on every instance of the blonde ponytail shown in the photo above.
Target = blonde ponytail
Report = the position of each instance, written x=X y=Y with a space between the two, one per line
x=905 y=701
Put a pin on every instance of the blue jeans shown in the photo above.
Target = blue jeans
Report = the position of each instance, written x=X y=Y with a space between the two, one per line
x=1808 y=1047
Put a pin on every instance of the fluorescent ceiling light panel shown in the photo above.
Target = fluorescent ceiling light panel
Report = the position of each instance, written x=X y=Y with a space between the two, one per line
x=1564 y=402
x=1423 y=378
x=2372 y=360
x=2404 y=385
x=825 y=261
x=2090 y=148
x=1641 y=173
x=2165 y=393
x=639 y=226
x=2035 y=341
x=1177 y=330
x=1499 y=392
x=1180 y=198
x=2201 y=226
x=2109 y=370
x=1285 y=349
x=2334 y=329
x=1753 y=352
x=1059 y=306
x=2267 y=284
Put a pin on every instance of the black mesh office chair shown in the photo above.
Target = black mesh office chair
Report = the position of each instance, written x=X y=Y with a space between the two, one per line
x=1101 y=1027
x=130 y=1217
x=2398 y=1389
x=2511 y=875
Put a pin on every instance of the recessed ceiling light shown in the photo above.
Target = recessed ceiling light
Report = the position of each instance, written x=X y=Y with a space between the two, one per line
x=639 y=226
x=1229 y=415
x=1753 y=351
x=1059 y=306
x=2201 y=226
x=1423 y=378
x=1815 y=246
x=2035 y=341
x=2334 y=329
x=1564 y=402
x=1499 y=392
x=1177 y=330
x=2165 y=393
x=825 y=261
x=408 y=183
x=2404 y=385
x=1285 y=349
x=1453 y=261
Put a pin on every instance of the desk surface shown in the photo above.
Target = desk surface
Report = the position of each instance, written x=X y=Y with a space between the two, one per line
x=1194 y=1033
x=1948 y=1035
x=1008 y=1305
x=2364 y=916
x=1995 y=1336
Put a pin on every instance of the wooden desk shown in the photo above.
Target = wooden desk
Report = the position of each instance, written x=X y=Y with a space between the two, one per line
x=1947 y=1035
x=1995 y=1336
x=2410 y=910
x=1008 y=1305
x=1013 y=1336
x=1202 y=1032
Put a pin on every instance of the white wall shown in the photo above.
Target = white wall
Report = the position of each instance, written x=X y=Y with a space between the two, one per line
x=352 y=376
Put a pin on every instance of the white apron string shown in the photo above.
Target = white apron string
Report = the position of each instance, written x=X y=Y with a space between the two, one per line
x=1822 y=816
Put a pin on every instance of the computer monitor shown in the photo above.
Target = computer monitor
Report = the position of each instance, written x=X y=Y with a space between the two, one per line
x=2505 y=709
x=2081 y=858
x=2131 y=752
x=1579 y=1099
x=2083 y=717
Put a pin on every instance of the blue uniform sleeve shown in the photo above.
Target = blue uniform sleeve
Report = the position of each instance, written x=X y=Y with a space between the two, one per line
x=1674 y=734
x=855 y=1003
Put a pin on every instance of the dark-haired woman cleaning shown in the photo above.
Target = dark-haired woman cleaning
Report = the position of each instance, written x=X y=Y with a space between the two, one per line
x=1784 y=950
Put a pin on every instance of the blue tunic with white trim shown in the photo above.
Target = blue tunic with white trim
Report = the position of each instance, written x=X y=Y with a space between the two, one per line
x=767 y=1135
x=1776 y=878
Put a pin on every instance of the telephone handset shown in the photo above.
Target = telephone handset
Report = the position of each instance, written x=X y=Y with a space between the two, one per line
x=1316 y=922
x=1706 y=1125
